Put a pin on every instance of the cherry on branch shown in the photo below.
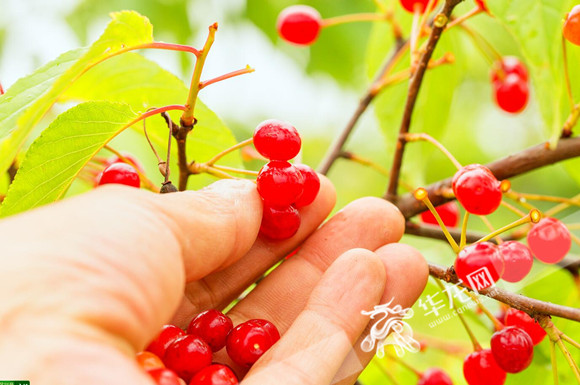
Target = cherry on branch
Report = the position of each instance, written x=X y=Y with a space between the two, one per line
x=518 y=260
x=512 y=349
x=299 y=24
x=512 y=94
x=434 y=376
x=507 y=66
x=479 y=265
x=549 y=240
x=120 y=173
x=523 y=321
x=480 y=368
x=477 y=189
x=571 y=29
x=449 y=213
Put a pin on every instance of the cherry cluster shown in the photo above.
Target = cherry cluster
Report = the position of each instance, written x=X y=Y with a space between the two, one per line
x=175 y=356
x=512 y=351
x=284 y=187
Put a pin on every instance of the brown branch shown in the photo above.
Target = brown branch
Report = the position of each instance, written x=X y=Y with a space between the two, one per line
x=434 y=232
x=335 y=149
x=531 y=306
x=439 y=25
x=524 y=161
x=12 y=170
x=180 y=134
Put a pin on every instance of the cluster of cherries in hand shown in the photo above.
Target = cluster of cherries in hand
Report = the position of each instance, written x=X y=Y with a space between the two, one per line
x=284 y=187
x=175 y=357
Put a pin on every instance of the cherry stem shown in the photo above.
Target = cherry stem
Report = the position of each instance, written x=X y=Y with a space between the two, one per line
x=170 y=129
x=534 y=216
x=496 y=323
x=571 y=121
x=421 y=194
x=146 y=181
x=462 y=18
x=230 y=75
x=382 y=81
x=405 y=74
x=235 y=170
x=227 y=151
x=491 y=228
x=404 y=364
x=561 y=207
x=159 y=161
x=462 y=240
x=554 y=362
x=567 y=75
x=187 y=118
x=355 y=17
x=476 y=345
x=569 y=359
x=537 y=197
x=375 y=166
x=575 y=239
x=423 y=21
x=490 y=53
x=409 y=137
x=513 y=209
x=199 y=168
x=389 y=376
x=570 y=341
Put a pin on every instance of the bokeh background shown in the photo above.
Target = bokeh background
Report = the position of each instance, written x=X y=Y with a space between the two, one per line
x=317 y=89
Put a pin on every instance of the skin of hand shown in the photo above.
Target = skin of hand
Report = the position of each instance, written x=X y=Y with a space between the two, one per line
x=88 y=282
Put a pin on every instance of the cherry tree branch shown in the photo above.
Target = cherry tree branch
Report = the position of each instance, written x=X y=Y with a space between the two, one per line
x=513 y=165
x=439 y=24
x=531 y=306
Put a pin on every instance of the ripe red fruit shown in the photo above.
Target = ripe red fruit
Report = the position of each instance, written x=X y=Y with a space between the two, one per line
x=299 y=24
x=477 y=189
x=278 y=224
x=572 y=26
x=481 y=4
x=479 y=265
x=164 y=377
x=507 y=66
x=188 y=355
x=410 y=5
x=280 y=184
x=518 y=260
x=549 y=240
x=149 y=361
x=168 y=334
x=248 y=341
x=523 y=321
x=512 y=349
x=311 y=185
x=512 y=94
x=480 y=368
x=120 y=173
x=434 y=376
x=449 y=213
x=213 y=327
x=277 y=140
x=215 y=374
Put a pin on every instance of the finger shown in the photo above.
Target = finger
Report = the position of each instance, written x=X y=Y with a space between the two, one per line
x=128 y=250
x=316 y=344
x=219 y=289
x=366 y=223
x=406 y=277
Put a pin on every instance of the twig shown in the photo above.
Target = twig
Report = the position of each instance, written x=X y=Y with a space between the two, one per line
x=12 y=170
x=439 y=25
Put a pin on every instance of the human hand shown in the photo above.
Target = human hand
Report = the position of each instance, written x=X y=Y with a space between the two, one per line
x=86 y=283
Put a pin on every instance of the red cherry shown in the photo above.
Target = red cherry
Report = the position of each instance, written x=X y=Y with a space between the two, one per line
x=215 y=374
x=168 y=334
x=572 y=26
x=449 y=213
x=278 y=224
x=149 y=361
x=481 y=4
x=512 y=94
x=164 y=377
x=410 y=5
x=120 y=173
x=523 y=321
x=434 y=376
x=311 y=185
x=480 y=368
x=188 y=355
x=477 y=189
x=507 y=66
x=518 y=260
x=512 y=349
x=479 y=265
x=280 y=184
x=213 y=327
x=248 y=341
x=277 y=140
x=299 y=24
x=549 y=240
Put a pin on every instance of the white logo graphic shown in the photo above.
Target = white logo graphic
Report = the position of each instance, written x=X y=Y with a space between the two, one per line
x=393 y=331
x=480 y=279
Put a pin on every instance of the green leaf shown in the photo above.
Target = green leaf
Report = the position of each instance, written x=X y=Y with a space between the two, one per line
x=536 y=26
x=57 y=156
x=20 y=113
x=142 y=84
